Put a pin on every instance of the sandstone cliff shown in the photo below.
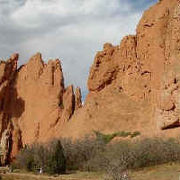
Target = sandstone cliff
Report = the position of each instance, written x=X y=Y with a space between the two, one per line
x=135 y=85
x=34 y=103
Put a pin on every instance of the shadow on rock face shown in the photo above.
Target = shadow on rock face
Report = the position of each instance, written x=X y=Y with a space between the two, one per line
x=11 y=108
x=17 y=104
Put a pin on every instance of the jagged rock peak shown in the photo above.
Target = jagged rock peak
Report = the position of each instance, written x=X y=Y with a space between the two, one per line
x=78 y=98
x=34 y=103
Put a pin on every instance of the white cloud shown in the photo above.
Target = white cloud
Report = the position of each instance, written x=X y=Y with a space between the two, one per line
x=35 y=13
x=68 y=29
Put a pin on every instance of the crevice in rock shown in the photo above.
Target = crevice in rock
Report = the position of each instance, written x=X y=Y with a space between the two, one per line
x=148 y=25
x=172 y=126
x=145 y=72
x=108 y=82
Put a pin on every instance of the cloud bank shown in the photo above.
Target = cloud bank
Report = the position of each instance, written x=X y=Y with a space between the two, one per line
x=72 y=31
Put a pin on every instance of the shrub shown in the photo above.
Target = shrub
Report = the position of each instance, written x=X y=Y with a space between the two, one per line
x=105 y=138
x=116 y=172
x=124 y=155
x=96 y=154
x=56 y=162
x=123 y=134
x=135 y=134
x=155 y=151
x=79 y=153
x=50 y=157
x=141 y=153
x=25 y=159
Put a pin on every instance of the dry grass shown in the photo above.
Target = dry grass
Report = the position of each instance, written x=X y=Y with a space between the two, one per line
x=161 y=172
x=74 y=176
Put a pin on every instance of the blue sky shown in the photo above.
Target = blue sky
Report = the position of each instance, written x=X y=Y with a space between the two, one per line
x=71 y=30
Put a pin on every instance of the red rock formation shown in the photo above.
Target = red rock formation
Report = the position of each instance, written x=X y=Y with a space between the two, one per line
x=34 y=104
x=135 y=85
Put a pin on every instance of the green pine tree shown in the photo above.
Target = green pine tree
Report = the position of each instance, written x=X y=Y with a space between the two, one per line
x=56 y=160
